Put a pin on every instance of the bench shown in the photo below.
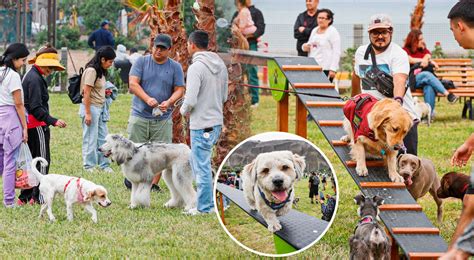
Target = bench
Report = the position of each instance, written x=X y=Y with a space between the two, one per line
x=461 y=72
x=298 y=229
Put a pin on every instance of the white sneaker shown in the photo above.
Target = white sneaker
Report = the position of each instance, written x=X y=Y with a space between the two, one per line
x=254 y=105
x=90 y=170
x=195 y=211
x=108 y=170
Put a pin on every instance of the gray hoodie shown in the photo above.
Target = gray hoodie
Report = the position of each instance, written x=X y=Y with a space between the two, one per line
x=206 y=90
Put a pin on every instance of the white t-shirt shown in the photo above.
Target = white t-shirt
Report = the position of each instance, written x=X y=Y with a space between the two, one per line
x=392 y=61
x=325 y=48
x=9 y=82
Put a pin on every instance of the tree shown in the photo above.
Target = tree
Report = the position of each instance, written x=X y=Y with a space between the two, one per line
x=417 y=15
x=94 y=12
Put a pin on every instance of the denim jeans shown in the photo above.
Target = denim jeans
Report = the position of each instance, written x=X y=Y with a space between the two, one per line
x=93 y=136
x=431 y=85
x=201 y=149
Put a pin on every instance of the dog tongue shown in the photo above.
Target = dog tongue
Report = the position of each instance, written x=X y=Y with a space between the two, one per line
x=408 y=181
x=280 y=195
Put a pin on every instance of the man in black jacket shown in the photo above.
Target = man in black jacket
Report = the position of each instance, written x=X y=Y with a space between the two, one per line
x=259 y=22
x=35 y=91
x=304 y=24
x=101 y=37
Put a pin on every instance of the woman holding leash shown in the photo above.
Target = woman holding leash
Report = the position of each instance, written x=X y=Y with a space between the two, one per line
x=12 y=115
x=36 y=97
x=94 y=129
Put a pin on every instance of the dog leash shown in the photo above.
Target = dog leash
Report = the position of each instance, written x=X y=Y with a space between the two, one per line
x=344 y=98
x=175 y=105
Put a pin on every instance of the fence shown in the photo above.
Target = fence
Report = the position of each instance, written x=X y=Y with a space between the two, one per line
x=280 y=37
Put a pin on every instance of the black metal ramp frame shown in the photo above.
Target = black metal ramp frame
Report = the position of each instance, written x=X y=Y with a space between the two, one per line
x=425 y=241
x=298 y=229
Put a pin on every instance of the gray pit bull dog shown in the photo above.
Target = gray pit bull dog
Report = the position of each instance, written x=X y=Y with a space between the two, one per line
x=420 y=177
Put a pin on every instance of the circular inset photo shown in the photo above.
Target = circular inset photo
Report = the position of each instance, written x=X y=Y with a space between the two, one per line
x=276 y=194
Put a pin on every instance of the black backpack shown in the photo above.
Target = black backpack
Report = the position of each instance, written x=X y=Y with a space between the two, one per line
x=74 y=88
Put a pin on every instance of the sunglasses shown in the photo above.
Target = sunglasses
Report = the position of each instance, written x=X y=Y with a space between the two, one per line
x=384 y=33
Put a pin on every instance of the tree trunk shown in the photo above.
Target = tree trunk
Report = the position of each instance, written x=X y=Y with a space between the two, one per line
x=417 y=16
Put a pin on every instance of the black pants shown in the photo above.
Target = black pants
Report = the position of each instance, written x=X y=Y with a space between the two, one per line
x=411 y=140
x=38 y=142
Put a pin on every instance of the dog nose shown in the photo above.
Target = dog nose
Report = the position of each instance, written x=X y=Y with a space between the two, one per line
x=277 y=182
x=396 y=147
x=99 y=149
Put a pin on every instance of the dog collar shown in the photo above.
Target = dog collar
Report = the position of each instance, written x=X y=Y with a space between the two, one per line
x=80 y=197
x=273 y=205
x=464 y=189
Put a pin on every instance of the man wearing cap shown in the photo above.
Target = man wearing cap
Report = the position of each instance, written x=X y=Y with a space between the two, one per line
x=157 y=82
x=101 y=37
x=36 y=97
x=391 y=59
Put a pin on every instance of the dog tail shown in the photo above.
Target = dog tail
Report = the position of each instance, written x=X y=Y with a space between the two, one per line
x=34 y=162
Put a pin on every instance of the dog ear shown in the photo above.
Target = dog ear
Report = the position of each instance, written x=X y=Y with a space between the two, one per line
x=89 y=195
x=399 y=157
x=378 y=200
x=359 y=198
x=300 y=165
x=379 y=114
x=251 y=171
x=418 y=169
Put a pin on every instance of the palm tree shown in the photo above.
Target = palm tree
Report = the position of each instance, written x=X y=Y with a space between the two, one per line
x=164 y=17
x=417 y=15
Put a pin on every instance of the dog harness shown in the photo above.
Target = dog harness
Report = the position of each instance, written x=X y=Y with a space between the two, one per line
x=273 y=205
x=356 y=110
x=80 y=197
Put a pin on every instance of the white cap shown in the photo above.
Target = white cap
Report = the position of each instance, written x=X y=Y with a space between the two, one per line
x=380 y=21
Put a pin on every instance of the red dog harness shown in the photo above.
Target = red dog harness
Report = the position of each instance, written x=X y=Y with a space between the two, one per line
x=80 y=197
x=356 y=110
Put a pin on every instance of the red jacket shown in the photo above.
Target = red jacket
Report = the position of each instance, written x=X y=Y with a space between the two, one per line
x=356 y=111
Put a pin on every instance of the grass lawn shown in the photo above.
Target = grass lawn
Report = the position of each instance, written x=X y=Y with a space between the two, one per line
x=148 y=233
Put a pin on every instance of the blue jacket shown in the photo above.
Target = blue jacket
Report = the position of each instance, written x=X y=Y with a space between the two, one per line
x=101 y=37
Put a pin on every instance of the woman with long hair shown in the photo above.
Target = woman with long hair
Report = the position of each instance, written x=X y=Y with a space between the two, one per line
x=36 y=97
x=324 y=43
x=420 y=60
x=13 y=128
x=94 y=129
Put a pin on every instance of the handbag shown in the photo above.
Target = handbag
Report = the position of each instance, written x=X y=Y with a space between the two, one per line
x=376 y=78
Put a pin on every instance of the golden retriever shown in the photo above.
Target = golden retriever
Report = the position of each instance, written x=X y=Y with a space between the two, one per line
x=390 y=124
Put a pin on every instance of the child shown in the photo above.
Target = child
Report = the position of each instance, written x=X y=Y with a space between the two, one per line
x=244 y=19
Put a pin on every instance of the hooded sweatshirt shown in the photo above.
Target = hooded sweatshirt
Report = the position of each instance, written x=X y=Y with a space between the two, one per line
x=206 y=90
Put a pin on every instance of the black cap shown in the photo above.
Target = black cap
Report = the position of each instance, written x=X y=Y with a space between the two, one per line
x=163 y=40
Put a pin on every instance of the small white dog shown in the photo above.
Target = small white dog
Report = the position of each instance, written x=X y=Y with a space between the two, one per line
x=423 y=110
x=268 y=184
x=75 y=190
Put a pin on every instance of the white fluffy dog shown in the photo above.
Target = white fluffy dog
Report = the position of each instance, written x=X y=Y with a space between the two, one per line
x=423 y=110
x=268 y=184
x=75 y=190
x=140 y=163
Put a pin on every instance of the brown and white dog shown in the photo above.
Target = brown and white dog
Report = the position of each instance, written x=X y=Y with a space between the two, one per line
x=75 y=190
x=389 y=123
x=420 y=178
x=453 y=184
x=268 y=184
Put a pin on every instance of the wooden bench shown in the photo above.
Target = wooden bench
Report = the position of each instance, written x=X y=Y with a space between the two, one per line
x=461 y=72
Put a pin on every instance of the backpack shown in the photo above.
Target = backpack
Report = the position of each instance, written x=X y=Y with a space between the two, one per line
x=74 y=88
x=315 y=180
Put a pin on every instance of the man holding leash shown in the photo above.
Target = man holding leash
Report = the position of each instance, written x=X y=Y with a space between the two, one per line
x=462 y=244
x=157 y=82
x=206 y=92
x=391 y=59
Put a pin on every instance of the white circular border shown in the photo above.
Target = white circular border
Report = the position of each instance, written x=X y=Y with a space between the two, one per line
x=281 y=136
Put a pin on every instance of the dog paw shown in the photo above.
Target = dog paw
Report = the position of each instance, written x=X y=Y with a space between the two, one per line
x=345 y=138
x=274 y=227
x=171 y=204
x=397 y=178
x=53 y=219
x=362 y=171
x=94 y=220
x=132 y=206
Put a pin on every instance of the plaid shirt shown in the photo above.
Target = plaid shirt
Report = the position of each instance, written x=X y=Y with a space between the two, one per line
x=328 y=209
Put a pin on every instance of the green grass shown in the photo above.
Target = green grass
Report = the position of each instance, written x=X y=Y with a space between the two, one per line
x=148 y=233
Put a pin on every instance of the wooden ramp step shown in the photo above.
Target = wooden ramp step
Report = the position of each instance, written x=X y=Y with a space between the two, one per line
x=353 y=164
x=324 y=104
x=415 y=230
x=339 y=143
x=455 y=69
x=375 y=185
x=424 y=255
x=301 y=68
x=313 y=85
x=330 y=123
x=410 y=207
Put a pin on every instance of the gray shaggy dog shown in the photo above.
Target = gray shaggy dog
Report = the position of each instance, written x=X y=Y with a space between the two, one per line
x=140 y=163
